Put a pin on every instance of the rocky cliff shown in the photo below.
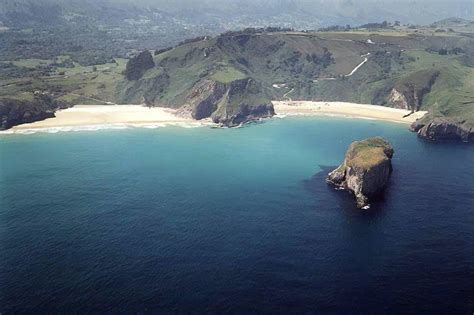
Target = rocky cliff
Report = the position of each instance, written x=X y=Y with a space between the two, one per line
x=441 y=128
x=408 y=93
x=243 y=101
x=229 y=104
x=138 y=65
x=366 y=169
x=15 y=112
x=204 y=98
x=232 y=77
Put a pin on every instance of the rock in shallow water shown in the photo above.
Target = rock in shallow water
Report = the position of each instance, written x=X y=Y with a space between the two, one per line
x=366 y=169
x=439 y=128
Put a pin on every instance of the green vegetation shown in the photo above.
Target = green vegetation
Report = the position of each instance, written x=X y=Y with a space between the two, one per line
x=452 y=94
x=76 y=85
x=367 y=153
x=15 y=111
x=31 y=63
x=271 y=63
x=227 y=75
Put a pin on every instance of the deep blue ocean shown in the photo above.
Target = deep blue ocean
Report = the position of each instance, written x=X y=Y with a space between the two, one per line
x=232 y=220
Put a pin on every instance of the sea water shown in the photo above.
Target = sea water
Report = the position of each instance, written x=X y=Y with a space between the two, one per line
x=232 y=220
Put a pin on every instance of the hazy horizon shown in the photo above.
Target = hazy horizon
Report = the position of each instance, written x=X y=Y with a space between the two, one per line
x=324 y=12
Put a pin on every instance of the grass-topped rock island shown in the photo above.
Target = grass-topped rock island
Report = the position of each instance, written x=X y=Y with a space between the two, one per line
x=366 y=169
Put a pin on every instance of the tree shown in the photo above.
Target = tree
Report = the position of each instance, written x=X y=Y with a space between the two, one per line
x=443 y=51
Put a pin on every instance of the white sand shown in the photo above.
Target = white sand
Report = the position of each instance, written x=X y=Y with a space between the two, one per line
x=346 y=110
x=95 y=115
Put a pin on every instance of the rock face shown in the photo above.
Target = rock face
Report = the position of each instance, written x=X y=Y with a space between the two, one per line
x=438 y=129
x=399 y=100
x=409 y=93
x=245 y=113
x=229 y=104
x=138 y=65
x=16 y=112
x=204 y=98
x=366 y=169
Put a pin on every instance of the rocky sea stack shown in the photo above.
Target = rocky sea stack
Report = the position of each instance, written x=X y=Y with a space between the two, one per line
x=366 y=169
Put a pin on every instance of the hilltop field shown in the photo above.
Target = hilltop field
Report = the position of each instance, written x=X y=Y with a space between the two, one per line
x=227 y=77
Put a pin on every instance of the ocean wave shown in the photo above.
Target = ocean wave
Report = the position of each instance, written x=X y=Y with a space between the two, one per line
x=85 y=128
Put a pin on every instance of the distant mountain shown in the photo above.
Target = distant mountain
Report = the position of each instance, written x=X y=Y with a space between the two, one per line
x=453 y=21
x=324 y=12
x=226 y=14
x=23 y=13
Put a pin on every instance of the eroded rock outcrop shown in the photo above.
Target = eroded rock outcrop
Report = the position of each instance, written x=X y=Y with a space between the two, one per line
x=399 y=100
x=244 y=113
x=16 y=112
x=440 y=129
x=228 y=104
x=204 y=98
x=409 y=92
x=138 y=65
x=366 y=169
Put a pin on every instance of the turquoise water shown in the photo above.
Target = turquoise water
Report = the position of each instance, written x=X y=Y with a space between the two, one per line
x=231 y=220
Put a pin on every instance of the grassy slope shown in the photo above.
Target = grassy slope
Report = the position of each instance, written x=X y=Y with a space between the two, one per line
x=367 y=153
x=77 y=85
x=453 y=92
x=280 y=58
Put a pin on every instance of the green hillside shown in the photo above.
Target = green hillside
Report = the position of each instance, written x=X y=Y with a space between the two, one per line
x=430 y=72
x=230 y=76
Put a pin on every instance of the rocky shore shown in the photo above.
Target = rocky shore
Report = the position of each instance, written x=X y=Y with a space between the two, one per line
x=442 y=129
x=15 y=112
x=228 y=104
x=365 y=171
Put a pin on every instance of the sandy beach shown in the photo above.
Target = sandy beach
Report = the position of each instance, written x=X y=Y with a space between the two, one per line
x=118 y=116
x=99 y=115
x=346 y=110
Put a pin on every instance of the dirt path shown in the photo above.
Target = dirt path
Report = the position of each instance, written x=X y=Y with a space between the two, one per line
x=286 y=94
x=359 y=65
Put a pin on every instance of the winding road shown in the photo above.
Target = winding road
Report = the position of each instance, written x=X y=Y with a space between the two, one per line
x=366 y=59
x=359 y=65
x=286 y=94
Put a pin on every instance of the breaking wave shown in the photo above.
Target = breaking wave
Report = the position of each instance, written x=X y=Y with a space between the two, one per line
x=86 y=128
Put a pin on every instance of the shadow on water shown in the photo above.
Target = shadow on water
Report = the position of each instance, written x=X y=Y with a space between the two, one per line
x=338 y=198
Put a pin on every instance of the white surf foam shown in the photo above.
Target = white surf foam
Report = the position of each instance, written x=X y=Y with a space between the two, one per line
x=89 y=128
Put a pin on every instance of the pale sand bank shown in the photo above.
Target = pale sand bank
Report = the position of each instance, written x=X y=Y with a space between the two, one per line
x=103 y=115
x=347 y=110
x=94 y=117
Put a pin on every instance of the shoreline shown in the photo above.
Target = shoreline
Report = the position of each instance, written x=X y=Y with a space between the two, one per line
x=345 y=109
x=98 y=117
